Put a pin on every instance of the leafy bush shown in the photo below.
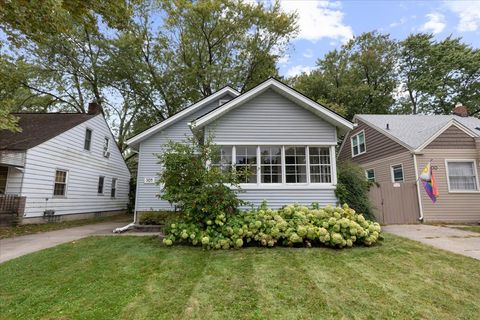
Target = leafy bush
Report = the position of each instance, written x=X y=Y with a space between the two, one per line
x=293 y=225
x=202 y=192
x=158 y=217
x=353 y=187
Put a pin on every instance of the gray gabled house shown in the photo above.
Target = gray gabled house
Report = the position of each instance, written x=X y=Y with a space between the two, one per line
x=62 y=164
x=284 y=140
x=394 y=149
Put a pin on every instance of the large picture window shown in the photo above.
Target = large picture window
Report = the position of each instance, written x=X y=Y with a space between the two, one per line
x=320 y=165
x=225 y=158
x=462 y=176
x=295 y=165
x=246 y=163
x=271 y=164
x=358 y=144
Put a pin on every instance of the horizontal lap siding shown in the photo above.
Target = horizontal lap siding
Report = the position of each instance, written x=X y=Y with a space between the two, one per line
x=382 y=167
x=148 y=167
x=455 y=207
x=14 y=181
x=377 y=145
x=271 y=118
x=84 y=168
x=277 y=198
x=452 y=138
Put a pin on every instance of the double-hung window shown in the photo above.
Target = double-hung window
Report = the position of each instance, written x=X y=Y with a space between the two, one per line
x=295 y=164
x=101 y=182
x=397 y=173
x=246 y=163
x=370 y=174
x=358 y=144
x=88 y=140
x=462 y=176
x=113 y=188
x=60 y=186
x=270 y=164
x=320 y=165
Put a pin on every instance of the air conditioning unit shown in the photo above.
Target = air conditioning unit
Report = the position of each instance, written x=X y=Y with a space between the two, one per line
x=106 y=154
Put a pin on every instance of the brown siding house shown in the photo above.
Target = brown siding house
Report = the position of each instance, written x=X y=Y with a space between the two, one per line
x=394 y=149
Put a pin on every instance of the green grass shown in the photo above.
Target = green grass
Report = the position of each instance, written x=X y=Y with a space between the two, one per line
x=469 y=228
x=138 y=278
x=21 y=230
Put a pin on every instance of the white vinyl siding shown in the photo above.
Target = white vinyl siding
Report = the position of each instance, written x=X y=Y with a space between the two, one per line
x=66 y=152
x=358 y=144
x=462 y=176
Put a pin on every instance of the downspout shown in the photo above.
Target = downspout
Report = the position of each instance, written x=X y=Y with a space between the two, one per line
x=131 y=224
x=418 y=188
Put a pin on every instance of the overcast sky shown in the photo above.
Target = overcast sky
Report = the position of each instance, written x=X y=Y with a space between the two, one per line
x=325 y=25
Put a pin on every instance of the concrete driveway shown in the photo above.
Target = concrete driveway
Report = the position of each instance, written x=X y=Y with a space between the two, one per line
x=11 y=248
x=466 y=243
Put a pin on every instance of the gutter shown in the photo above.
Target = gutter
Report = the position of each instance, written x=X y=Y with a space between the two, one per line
x=131 y=225
x=420 y=218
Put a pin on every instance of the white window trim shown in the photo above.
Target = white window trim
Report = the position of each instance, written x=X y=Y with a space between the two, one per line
x=475 y=171
x=111 y=187
x=283 y=184
x=55 y=181
x=106 y=149
x=393 y=176
x=364 y=142
x=374 y=175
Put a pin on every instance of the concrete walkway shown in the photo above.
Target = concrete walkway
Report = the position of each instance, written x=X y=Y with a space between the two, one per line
x=11 y=248
x=466 y=243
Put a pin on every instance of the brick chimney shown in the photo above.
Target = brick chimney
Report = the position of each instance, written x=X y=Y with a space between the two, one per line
x=94 y=108
x=460 y=110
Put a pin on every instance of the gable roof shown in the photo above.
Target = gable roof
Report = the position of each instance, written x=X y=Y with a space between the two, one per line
x=180 y=115
x=416 y=131
x=38 y=128
x=286 y=91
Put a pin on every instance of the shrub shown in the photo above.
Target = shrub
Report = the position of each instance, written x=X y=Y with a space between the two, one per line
x=293 y=225
x=158 y=217
x=352 y=188
x=206 y=194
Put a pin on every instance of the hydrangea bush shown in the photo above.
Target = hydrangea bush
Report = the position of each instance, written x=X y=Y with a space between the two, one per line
x=293 y=225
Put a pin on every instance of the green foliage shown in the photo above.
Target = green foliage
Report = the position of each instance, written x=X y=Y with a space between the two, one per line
x=159 y=217
x=358 y=78
x=353 y=187
x=202 y=191
x=293 y=225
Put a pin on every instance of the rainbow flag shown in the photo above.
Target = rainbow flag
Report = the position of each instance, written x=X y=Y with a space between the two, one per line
x=428 y=181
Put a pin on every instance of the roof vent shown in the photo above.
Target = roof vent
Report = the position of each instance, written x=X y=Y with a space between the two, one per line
x=460 y=110
x=387 y=126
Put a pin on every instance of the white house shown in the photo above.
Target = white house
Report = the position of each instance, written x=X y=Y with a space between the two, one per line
x=62 y=164
x=284 y=140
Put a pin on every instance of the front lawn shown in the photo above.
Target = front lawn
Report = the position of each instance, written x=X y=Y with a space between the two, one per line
x=138 y=278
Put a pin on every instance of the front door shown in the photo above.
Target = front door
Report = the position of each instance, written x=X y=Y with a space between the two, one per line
x=3 y=179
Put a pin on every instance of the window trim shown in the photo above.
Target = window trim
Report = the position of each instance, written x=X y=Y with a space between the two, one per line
x=106 y=148
x=103 y=186
x=85 y=139
x=474 y=161
x=283 y=185
x=374 y=175
x=393 y=175
x=67 y=175
x=364 y=142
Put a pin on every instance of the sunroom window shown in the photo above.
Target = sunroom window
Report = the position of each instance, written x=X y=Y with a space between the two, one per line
x=271 y=164
x=358 y=144
x=320 y=165
x=246 y=163
x=224 y=160
x=295 y=165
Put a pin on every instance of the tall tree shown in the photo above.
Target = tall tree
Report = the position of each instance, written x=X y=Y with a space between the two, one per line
x=358 y=78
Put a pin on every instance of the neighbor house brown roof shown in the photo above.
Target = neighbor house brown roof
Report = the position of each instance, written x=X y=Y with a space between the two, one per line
x=38 y=128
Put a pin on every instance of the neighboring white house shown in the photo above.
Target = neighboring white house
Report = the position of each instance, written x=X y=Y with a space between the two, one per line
x=67 y=164
x=285 y=141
